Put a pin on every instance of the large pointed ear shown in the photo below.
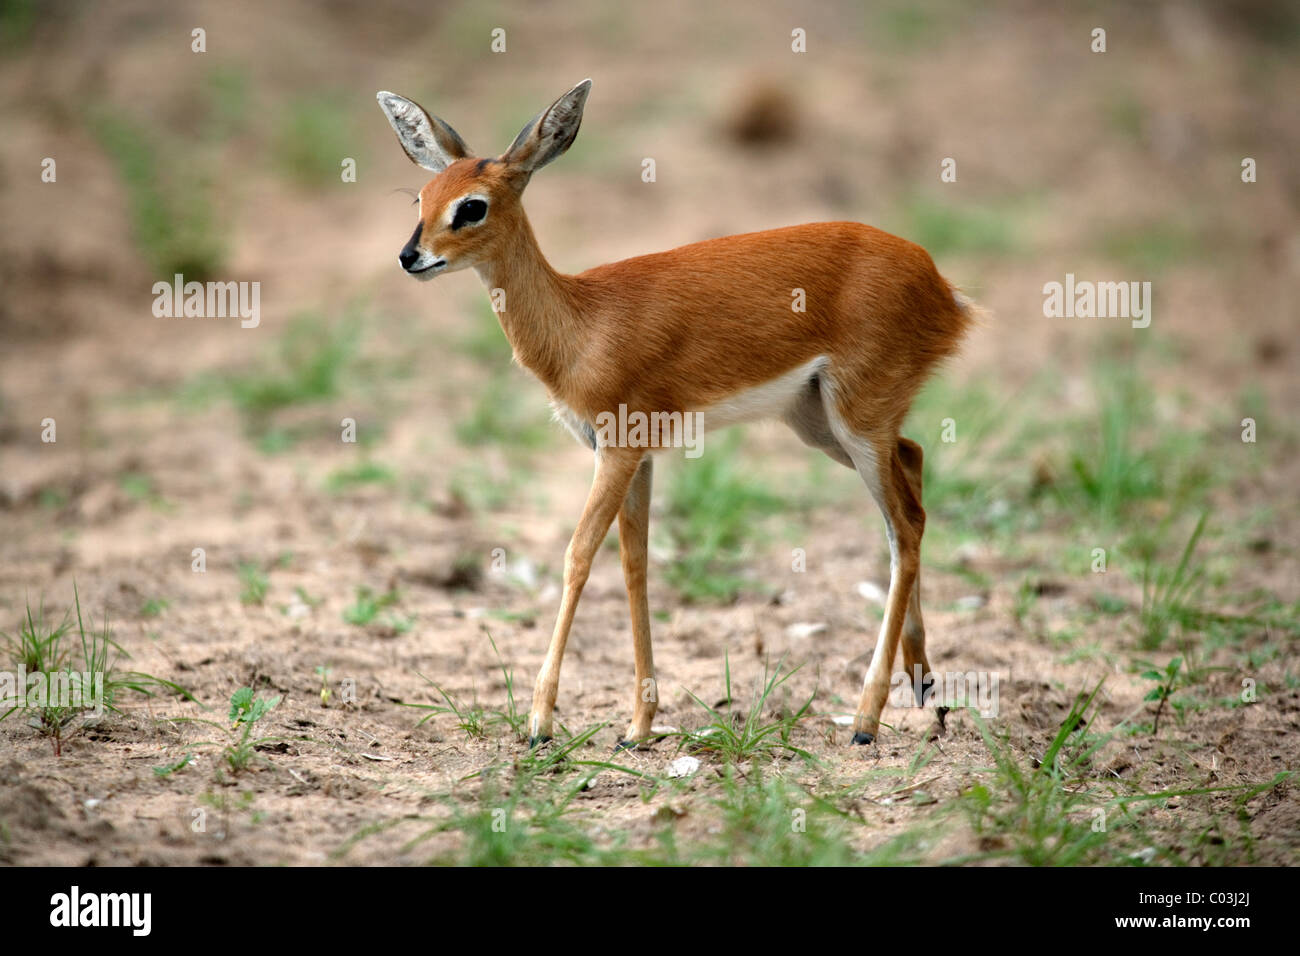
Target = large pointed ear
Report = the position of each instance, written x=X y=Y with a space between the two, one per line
x=550 y=133
x=429 y=141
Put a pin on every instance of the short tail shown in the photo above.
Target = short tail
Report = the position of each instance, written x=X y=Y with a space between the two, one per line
x=970 y=310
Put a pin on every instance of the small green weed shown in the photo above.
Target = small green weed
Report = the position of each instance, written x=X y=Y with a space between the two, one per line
x=1163 y=690
x=368 y=605
x=713 y=506
x=245 y=711
x=253 y=583
x=69 y=691
x=737 y=736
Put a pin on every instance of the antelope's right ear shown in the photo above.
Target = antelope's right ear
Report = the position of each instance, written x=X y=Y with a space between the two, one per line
x=429 y=141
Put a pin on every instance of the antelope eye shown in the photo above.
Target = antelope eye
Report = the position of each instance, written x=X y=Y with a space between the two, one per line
x=471 y=210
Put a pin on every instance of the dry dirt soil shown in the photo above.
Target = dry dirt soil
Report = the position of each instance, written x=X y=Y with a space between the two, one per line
x=154 y=458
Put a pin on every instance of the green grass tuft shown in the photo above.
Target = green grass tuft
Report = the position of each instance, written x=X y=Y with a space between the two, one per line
x=172 y=221
x=740 y=736
x=367 y=606
x=253 y=583
x=362 y=473
x=713 y=506
x=315 y=135
x=947 y=229
x=312 y=359
x=74 y=687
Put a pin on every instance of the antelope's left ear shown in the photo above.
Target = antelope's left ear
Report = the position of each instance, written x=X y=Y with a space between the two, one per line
x=550 y=133
x=429 y=141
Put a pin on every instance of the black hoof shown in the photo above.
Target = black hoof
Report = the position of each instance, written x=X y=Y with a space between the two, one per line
x=924 y=695
x=862 y=737
x=625 y=745
x=534 y=742
x=941 y=713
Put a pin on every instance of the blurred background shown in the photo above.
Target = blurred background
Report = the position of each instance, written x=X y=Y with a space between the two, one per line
x=1071 y=434
x=226 y=164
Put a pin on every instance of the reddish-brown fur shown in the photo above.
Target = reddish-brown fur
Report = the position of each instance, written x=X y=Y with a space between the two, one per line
x=712 y=317
x=683 y=330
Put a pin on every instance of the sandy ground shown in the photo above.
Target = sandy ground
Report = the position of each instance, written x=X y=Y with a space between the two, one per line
x=1013 y=95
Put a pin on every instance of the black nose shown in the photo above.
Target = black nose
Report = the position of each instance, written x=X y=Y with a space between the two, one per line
x=409 y=254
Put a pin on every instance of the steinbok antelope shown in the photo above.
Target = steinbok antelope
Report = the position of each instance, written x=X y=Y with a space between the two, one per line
x=714 y=328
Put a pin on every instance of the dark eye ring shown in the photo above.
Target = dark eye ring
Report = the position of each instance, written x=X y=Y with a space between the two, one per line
x=470 y=211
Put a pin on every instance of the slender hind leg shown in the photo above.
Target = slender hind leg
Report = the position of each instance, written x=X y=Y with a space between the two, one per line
x=878 y=462
x=912 y=459
x=904 y=523
x=891 y=470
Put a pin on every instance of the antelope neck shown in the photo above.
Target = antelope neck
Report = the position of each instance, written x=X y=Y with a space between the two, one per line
x=540 y=317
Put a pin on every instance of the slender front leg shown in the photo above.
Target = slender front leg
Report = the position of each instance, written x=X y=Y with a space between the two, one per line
x=615 y=468
x=633 y=541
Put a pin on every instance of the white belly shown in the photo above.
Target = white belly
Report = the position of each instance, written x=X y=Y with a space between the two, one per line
x=770 y=400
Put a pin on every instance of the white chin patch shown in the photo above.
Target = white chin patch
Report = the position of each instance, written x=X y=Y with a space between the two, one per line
x=428 y=267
